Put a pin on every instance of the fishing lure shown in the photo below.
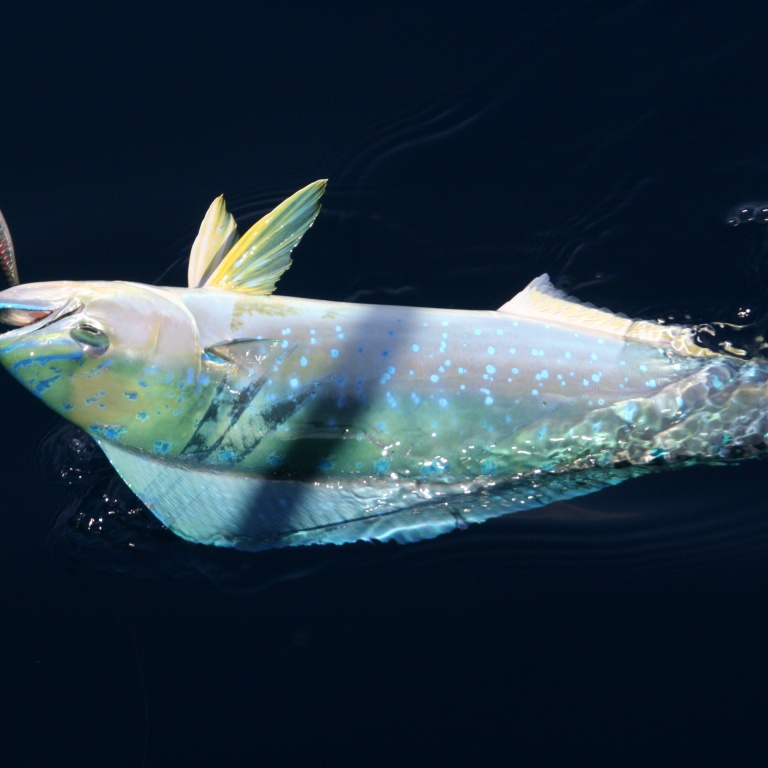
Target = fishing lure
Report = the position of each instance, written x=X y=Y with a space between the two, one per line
x=252 y=420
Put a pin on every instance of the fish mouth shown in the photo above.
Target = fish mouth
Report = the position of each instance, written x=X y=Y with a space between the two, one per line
x=26 y=317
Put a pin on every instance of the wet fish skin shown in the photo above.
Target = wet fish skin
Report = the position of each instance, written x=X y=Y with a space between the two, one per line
x=252 y=420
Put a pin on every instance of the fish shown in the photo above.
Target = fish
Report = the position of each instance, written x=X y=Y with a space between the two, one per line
x=243 y=418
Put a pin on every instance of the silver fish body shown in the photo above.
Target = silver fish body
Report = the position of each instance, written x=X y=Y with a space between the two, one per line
x=251 y=420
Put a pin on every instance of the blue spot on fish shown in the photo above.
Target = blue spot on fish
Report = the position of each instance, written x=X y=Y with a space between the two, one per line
x=487 y=466
x=45 y=383
x=110 y=431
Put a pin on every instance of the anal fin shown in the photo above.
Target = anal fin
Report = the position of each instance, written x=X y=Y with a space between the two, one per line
x=233 y=509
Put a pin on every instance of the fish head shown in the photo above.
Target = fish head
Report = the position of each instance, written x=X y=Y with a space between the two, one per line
x=119 y=359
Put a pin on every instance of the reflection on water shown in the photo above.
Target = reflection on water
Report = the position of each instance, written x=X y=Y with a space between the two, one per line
x=748 y=213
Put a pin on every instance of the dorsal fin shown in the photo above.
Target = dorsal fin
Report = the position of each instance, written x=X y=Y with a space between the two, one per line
x=217 y=235
x=263 y=253
x=540 y=300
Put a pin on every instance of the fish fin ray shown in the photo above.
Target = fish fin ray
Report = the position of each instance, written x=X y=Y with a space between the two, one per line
x=234 y=509
x=217 y=235
x=541 y=301
x=258 y=259
x=245 y=353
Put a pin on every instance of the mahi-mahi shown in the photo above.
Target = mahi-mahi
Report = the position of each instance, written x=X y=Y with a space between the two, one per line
x=252 y=420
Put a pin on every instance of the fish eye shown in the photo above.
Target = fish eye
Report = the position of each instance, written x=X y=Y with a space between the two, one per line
x=93 y=341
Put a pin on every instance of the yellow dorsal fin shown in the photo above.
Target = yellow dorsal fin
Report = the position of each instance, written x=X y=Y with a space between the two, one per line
x=217 y=235
x=540 y=300
x=263 y=253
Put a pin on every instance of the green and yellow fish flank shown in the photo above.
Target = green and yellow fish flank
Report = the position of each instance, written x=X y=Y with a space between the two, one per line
x=250 y=420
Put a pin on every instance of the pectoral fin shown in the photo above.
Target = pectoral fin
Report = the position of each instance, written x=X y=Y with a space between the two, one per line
x=248 y=354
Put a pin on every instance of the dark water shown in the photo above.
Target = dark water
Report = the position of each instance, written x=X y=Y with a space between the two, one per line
x=470 y=147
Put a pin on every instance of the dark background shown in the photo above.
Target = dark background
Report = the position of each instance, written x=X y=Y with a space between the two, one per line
x=470 y=146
